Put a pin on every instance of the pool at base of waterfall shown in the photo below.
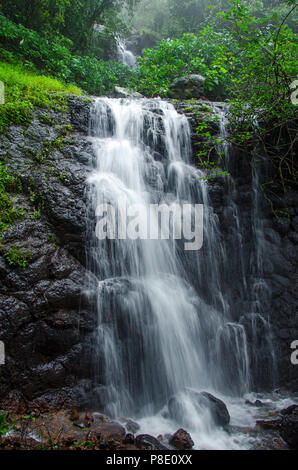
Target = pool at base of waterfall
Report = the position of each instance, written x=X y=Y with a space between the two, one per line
x=242 y=433
x=258 y=422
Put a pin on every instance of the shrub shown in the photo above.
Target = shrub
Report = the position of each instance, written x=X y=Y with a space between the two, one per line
x=207 y=53
x=5 y=427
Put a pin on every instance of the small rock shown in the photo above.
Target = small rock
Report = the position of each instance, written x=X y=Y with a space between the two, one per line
x=109 y=432
x=259 y=404
x=272 y=424
x=74 y=415
x=146 y=442
x=88 y=420
x=102 y=418
x=129 y=439
x=132 y=426
x=248 y=402
x=80 y=425
x=181 y=440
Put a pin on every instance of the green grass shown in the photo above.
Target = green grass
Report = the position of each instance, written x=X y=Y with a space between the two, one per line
x=17 y=75
x=53 y=56
x=25 y=90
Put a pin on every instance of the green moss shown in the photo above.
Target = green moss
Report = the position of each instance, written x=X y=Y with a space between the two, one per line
x=17 y=256
x=49 y=120
x=9 y=186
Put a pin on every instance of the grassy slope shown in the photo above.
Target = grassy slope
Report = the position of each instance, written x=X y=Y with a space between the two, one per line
x=25 y=90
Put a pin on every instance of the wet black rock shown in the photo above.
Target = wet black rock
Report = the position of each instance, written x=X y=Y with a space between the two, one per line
x=217 y=407
x=46 y=323
x=273 y=424
x=289 y=431
x=289 y=426
x=203 y=401
x=129 y=439
x=181 y=440
x=286 y=424
x=132 y=426
x=146 y=442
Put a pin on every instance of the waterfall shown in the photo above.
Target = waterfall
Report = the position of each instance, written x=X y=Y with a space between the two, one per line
x=125 y=56
x=165 y=323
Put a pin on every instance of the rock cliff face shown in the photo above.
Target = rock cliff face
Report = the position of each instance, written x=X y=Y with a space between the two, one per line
x=46 y=321
x=279 y=251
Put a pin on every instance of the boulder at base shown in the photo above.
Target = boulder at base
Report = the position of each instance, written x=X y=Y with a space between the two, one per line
x=203 y=402
x=289 y=430
x=188 y=87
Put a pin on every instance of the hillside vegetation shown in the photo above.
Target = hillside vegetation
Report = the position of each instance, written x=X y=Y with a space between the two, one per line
x=246 y=51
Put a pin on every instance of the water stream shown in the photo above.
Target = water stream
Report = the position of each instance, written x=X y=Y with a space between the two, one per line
x=165 y=322
x=125 y=56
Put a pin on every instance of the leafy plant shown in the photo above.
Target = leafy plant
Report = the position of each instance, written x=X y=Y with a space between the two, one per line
x=5 y=426
x=261 y=112
x=207 y=53
x=17 y=256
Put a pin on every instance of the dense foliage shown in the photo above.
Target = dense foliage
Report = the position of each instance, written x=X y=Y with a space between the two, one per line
x=54 y=57
x=262 y=113
x=248 y=55
x=245 y=50
x=71 y=18
x=207 y=53
x=173 y=18
x=249 y=52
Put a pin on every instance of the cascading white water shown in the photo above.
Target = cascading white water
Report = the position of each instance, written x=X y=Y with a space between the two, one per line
x=125 y=56
x=164 y=320
x=257 y=321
